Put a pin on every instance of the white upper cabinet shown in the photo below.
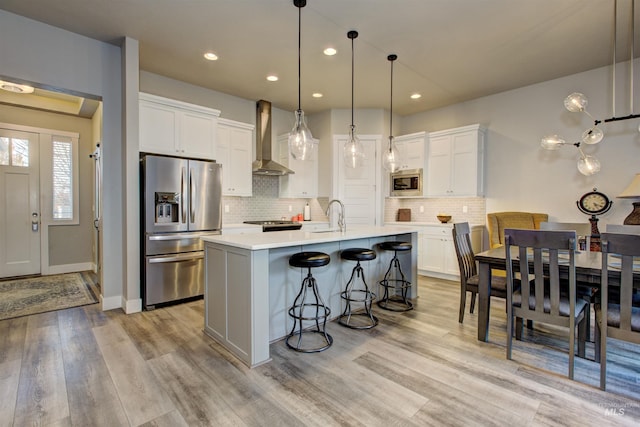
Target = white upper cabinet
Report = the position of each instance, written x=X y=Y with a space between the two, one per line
x=456 y=162
x=234 y=152
x=412 y=149
x=304 y=182
x=176 y=128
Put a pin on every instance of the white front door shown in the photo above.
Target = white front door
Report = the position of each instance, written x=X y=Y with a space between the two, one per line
x=19 y=204
x=359 y=188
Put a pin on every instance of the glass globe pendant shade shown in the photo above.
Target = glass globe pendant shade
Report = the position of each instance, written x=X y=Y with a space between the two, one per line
x=353 y=150
x=576 y=102
x=301 y=144
x=552 y=142
x=391 y=158
x=592 y=136
x=588 y=165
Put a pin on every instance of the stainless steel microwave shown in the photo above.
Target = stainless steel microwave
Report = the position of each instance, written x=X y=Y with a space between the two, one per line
x=407 y=182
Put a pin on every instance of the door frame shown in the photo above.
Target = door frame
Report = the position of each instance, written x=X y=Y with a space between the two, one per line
x=337 y=151
x=44 y=137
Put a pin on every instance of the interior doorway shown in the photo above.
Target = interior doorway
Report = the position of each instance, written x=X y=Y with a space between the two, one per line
x=360 y=188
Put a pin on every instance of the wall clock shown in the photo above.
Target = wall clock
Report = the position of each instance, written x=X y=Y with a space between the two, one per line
x=594 y=203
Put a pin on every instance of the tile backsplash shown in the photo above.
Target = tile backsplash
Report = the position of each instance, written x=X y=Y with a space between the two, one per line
x=475 y=209
x=265 y=204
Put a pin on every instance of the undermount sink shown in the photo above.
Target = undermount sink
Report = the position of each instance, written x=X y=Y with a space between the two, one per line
x=331 y=230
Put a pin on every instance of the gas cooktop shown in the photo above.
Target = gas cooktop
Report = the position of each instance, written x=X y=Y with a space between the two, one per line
x=276 y=225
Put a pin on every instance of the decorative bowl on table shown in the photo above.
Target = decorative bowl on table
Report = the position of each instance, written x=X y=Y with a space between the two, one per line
x=444 y=218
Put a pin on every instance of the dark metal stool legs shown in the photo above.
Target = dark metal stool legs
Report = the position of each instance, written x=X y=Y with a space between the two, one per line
x=360 y=297
x=303 y=310
x=397 y=299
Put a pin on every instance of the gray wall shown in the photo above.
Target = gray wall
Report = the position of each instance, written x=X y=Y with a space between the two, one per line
x=45 y=55
x=521 y=176
x=68 y=244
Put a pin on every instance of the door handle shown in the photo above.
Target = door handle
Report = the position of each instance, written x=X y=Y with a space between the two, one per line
x=35 y=223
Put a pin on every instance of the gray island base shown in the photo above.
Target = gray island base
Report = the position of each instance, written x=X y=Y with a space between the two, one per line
x=249 y=285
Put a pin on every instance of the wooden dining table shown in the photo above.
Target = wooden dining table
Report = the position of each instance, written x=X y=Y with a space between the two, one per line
x=588 y=272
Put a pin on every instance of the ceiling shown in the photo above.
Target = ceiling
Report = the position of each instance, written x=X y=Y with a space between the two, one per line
x=449 y=51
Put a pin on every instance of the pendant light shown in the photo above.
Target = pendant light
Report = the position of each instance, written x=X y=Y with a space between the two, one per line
x=577 y=103
x=353 y=150
x=391 y=158
x=301 y=144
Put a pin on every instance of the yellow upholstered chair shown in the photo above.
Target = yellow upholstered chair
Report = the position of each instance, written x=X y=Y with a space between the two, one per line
x=498 y=221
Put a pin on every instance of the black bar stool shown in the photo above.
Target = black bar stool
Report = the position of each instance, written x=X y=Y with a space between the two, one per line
x=357 y=295
x=395 y=280
x=312 y=309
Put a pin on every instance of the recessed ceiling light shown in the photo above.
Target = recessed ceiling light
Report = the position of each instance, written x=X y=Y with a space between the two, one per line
x=211 y=56
x=272 y=78
x=317 y=95
x=330 y=51
x=15 y=88
x=416 y=96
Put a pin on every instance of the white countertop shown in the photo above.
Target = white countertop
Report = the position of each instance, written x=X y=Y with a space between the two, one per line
x=410 y=223
x=282 y=239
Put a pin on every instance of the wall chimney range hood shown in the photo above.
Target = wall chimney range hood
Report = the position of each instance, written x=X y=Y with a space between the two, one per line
x=264 y=165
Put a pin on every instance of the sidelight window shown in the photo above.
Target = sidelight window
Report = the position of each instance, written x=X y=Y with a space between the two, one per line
x=63 y=178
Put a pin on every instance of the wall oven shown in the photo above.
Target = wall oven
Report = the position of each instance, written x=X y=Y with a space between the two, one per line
x=407 y=182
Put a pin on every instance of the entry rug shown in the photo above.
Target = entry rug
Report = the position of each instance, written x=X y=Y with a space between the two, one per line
x=22 y=297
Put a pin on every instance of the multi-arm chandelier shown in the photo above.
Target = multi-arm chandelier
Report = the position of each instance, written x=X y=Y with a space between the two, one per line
x=577 y=103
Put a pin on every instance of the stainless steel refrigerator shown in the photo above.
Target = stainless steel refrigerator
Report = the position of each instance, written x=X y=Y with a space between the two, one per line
x=181 y=201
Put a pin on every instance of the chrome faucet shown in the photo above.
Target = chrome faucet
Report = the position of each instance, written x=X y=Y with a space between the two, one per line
x=341 y=224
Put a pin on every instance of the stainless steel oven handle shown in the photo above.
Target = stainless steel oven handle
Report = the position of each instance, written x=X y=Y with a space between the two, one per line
x=176 y=258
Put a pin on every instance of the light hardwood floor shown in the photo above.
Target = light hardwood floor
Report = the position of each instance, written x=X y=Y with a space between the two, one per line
x=83 y=367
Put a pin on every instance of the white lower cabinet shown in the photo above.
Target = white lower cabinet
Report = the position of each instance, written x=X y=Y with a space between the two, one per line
x=436 y=253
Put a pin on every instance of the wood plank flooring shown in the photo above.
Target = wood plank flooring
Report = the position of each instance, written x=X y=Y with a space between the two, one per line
x=81 y=367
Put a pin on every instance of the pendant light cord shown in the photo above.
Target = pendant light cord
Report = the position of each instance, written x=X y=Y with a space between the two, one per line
x=352 y=35
x=299 y=49
x=352 y=78
x=391 y=58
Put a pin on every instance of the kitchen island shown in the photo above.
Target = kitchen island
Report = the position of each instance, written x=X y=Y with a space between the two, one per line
x=249 y=285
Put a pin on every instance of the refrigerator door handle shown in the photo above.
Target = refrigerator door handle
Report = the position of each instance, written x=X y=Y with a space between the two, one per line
x=191 y=207
x=184 y=210
x=177 y=258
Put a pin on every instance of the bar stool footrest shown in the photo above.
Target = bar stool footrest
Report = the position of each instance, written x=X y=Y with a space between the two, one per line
x=326 y=339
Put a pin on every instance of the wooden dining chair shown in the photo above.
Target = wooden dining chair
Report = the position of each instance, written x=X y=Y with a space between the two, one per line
x=623 y=229
x=618 y=314
x=543 y=300
x=468 y=270
x=582 y=229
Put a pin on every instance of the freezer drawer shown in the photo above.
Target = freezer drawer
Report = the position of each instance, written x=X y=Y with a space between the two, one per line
x=173 y=277
x=159 y=244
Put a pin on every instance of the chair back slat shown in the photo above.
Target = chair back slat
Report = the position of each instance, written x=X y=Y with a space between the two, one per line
x=621 y=250
x=464 y=250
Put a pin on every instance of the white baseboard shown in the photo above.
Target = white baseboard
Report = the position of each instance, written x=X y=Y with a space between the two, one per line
x=69 y=268
x=111 y=303
x=132 y=306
